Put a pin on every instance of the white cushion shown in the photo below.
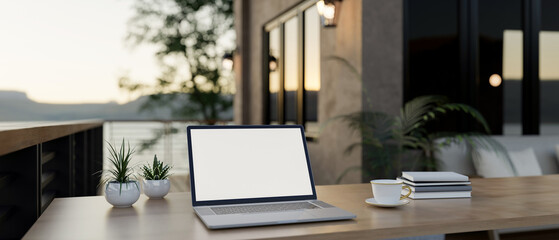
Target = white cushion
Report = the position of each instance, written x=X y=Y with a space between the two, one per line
x=525 y=162
x=455 y=157
x=544 y=147
x=490 y=164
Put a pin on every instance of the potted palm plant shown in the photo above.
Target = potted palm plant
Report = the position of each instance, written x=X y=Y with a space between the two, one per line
x=121 y=188
x=156 y=179
x=402 y=142
x=392 y=143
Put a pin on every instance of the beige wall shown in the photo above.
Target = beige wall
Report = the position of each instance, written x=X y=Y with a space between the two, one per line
x=340 y=94
x=340 y=91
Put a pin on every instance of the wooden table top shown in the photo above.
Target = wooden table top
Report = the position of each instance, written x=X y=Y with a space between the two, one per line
x=19 y=135
x=496 y=203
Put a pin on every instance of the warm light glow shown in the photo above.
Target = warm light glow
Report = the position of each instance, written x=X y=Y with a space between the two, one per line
x=512 y=54
x=313 y=84
x=320 y=7
x=291 y=56
x=227 y=63
x=329 y=11
x=549 y=55
x=273 y=64
x=312 y=50
x=274 y=82
x=495 y=80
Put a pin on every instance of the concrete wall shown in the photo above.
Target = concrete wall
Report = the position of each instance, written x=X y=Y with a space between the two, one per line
x=340 y=94
x=340 y=91
x=383 y=55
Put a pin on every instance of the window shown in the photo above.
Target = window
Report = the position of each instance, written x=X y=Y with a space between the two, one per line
x=292 y=68
x=433 y=47
x=500 y=65
x=499 y=56
x=274 y=83
x=548 y=70
x=312 y=68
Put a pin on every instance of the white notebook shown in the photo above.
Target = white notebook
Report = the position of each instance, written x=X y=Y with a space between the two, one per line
x=421 y=184
x=436 y=195
x=435 y=177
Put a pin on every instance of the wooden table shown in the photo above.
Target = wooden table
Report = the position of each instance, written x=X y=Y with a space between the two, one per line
x=496 y=203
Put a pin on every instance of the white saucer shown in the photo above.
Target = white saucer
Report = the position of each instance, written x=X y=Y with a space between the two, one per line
x=372 y=201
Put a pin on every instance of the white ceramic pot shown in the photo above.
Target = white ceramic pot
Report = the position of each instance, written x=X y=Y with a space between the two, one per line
x=122 y=194
x=156 y=188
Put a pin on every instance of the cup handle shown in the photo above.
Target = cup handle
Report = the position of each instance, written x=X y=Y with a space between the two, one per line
x=409 y=192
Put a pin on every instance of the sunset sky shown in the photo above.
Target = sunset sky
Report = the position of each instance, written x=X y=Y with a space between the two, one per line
x=63 y=51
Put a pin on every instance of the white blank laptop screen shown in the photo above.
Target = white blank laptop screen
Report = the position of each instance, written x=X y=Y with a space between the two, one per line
x=249 y=163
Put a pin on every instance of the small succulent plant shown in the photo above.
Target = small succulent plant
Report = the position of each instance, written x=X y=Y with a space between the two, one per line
x=120 y=159
x=157 y=171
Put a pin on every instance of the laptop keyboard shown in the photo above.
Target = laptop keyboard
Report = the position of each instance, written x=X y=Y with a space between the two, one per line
x=262 y=208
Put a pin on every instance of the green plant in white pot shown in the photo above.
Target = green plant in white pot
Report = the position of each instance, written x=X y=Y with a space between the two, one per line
x=121 y=189
x=156 y=179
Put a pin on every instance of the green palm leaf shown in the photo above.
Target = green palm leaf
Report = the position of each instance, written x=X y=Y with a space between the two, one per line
x=385 y=138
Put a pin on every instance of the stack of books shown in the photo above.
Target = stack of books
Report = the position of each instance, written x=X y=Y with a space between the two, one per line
x=432 y=185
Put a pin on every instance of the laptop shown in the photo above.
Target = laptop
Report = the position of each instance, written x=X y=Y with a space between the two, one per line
x=243 y=176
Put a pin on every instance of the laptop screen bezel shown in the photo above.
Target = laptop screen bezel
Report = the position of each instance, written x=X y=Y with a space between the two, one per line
x=196 y=203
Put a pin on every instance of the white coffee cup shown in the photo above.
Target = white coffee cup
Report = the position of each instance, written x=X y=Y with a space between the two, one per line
x=388 y=191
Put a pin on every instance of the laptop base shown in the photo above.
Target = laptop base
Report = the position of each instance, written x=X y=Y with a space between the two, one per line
x=214 y=221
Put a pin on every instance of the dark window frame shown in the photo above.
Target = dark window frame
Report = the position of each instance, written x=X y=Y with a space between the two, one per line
x=279 y=21
x=469 y=57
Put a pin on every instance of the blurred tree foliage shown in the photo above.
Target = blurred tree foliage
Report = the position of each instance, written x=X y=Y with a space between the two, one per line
x=191 y=36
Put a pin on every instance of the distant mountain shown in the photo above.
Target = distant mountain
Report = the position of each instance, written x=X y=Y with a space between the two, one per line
x=13 y=96
x=16 y=106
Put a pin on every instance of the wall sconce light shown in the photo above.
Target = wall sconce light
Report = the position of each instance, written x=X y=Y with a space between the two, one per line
x=272 y=63
x=329 y=10
x=227 y=61
x=495 y=80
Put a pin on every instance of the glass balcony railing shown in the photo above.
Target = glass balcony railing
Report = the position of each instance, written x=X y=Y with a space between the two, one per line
x=167 y=139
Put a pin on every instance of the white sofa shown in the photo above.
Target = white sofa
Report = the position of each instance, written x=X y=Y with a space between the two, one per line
x=458 y=158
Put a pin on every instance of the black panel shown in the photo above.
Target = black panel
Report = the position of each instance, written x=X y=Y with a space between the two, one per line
x=549 y=85
x=437 y=35
x=19 y=200
x=452 y=48
x=433 y=49
x=501 y=103
x=530 y=83
x=31 y=178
